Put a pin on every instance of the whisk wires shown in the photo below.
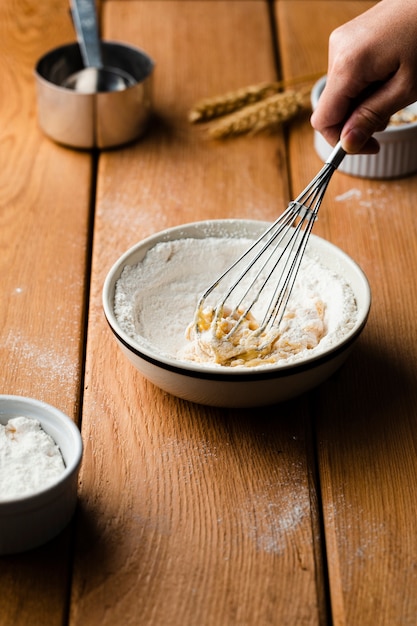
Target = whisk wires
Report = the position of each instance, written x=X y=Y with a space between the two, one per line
x=274 y=258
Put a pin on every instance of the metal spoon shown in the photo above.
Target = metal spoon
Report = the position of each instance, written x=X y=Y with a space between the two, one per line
x=94 y=77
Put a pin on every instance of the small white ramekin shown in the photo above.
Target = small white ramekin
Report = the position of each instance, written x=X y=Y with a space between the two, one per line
x=28 y=522
x=397 y=156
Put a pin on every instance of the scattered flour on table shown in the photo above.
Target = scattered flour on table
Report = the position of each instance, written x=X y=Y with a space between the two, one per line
x=379 y=197
x=156 y=299
x=349 y=195
x=30 y=460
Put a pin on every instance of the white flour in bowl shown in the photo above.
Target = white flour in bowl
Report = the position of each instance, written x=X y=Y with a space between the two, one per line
x=156 y=300
x=30 y=460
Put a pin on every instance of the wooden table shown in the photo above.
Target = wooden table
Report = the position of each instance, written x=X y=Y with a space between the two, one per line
x=297 y=514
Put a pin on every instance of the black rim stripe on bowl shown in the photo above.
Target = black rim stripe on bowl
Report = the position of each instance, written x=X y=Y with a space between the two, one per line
x=290 y=370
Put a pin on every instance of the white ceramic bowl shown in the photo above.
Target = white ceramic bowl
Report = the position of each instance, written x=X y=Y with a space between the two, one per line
x=397 y=156
x=224 y=386
x=28 y=522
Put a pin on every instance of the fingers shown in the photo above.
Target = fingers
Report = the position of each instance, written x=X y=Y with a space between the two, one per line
x=354 y=120
x=372 y=74
x=354 y=141
x=369 y=117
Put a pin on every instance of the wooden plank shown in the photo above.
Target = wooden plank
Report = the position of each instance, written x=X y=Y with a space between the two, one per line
x=303 y=52
x=44 y=216
x=190 y=514
x=365 y=416
x=44 y=223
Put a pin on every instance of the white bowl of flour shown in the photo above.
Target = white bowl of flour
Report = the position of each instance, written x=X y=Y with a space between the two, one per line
x=40 y=457
x=150 y=297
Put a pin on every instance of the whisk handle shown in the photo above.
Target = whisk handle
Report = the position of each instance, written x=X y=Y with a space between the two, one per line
x=336 y=156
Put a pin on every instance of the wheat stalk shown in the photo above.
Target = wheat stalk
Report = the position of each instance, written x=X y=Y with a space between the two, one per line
x=233 y=100
x=266 y=114
x=210 y=108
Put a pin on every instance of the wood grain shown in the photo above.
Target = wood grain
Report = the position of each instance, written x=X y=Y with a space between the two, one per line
x=197 y=515
x=44 y=220
x=301 y=513
x=45 y=195
x=365 y=416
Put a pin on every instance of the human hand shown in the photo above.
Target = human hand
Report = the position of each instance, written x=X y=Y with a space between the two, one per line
x=372 y=74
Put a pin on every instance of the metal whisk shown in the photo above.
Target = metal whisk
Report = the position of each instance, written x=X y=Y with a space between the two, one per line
x=272 y=261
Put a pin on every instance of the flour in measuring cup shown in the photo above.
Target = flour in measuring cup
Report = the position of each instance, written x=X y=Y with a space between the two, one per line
x=30 y=460
x=155 y=302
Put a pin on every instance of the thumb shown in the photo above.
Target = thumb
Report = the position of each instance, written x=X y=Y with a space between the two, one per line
x=371 y=115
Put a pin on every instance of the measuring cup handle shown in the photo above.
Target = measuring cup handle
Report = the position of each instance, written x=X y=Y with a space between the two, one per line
x=86 y=26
